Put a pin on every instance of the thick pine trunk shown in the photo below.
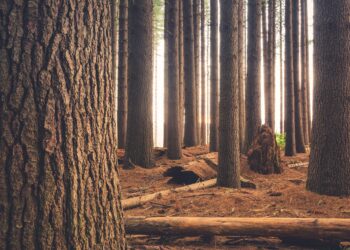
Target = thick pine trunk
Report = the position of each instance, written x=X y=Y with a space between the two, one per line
x=139 y=149
x=329 y=169
x=229 y=150
x=190 y=137
x=241 y=73
x=304 y=73
x=299 y=135
x=214 y=81
x=253 y=116
x=203 y=78
x=174 y=138
x=58 y=177
x=290 y=148
x=123 y=74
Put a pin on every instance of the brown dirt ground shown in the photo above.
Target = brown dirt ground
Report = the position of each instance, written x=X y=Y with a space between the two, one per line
x=281 y=195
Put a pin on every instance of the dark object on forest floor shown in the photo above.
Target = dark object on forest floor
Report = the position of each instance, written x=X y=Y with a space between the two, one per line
x=200 y=170
x=264 y=154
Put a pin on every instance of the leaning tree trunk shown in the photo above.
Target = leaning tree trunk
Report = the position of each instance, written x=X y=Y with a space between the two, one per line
x=189 y=76
x=214 y=73
x=304 y=73
x=203 y=78
x=253 y=116
x=123 y=73
x=174 y=138
x=241 y=72
x=229 y=150
x=290 y=148
x=58 y=177
x=139 y=149
x=299 y=135
x=329 y=169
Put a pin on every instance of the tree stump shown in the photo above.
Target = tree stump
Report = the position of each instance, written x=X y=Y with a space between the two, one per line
x=264 y=154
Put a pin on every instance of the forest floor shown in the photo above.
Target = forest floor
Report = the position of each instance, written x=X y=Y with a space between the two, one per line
x=282 y=195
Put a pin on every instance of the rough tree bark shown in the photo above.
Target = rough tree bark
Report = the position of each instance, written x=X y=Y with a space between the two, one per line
x=299 y=135
x=304 y=73
x=329 y=169
x=241 y=73
x=174 y=139
x=214 y=81
x=229 y=150
x=166 y=72
x=290 y=148
x=190 y=137
x=139 y=148
x=181 y=72
x=265 y=52
x=58 y=177
x=253 y=116
x=203 y=78
x=123 y=73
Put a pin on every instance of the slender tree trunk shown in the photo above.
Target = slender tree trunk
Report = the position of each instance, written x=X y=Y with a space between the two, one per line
x=174 y=142
x=229 y=153
x=241 y=73
x=58 y=177
x=265 y=56
x=290 y=148
x=304 y=69
x=329 y=169
x=282 y=85
x=299 y=135
x=123 y=74
x=203 y=78
x=191 y=131
x=139 y=148
x=181 y=72
x=308 y=72
x=166 y=73
x=197 y=50
x=214 y=81
x=253 y=115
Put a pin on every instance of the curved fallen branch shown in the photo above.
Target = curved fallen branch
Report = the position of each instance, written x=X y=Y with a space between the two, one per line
x=302 y=228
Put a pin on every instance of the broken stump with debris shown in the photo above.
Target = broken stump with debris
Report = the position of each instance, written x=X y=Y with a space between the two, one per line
x=264 y=154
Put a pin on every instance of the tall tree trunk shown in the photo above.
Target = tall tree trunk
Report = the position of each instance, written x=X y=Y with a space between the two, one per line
x=270 y=84
x=166 y=72
x=329 y=169
x=123 y=74
x=308 y=72
x=181 y=72
x=265 y=52
x=214 y=71
x=229 y=153
x=290 y=148
x=241 y=73
x=190 y=137
x=253 y=115
x=299 y=135
x=174 y=142
x=58 y=177
x=139 y=149
x=203 y=78
x=197 y=49
x=304 y=73
x=282 y=85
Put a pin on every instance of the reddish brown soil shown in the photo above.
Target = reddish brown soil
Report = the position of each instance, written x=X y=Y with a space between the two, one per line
x=281 y=195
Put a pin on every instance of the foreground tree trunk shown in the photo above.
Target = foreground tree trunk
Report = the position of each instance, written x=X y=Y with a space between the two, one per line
x=253 y=116
x=139 y=148
x=229 y=150
x=181 y=73
x=329 y=169
x=123 y=73
x=203 y=78
x=166 y=72
x=290 y=148
x=174 y=142
x=191 y=138
x=304 y=73
x=299 y=135
x=214 y=71
x=58 y=177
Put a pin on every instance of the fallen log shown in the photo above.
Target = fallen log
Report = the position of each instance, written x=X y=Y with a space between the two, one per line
x=301 y=228
x=138 y=201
